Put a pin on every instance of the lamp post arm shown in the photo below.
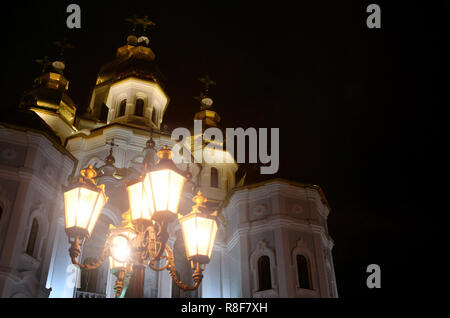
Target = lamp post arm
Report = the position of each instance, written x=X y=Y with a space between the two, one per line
x=75 y=251
x=162 y=236
x=197 y=276
x=158 y=269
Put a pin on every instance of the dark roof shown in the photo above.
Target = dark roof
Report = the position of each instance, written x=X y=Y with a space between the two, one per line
x=27 y=120
x=136 y=65
x=252 y=174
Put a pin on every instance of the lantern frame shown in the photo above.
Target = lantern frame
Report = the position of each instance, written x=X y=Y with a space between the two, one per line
x=200 y=258
x=86 y=181
x=199 y=211
x=146 y=237
x=165 y=162
x=113 y=258
x=143 y=222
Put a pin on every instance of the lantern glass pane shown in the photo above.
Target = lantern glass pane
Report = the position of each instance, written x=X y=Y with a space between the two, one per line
x=140 y=205
x=176 y=188
x=212 y=238
x=203 y=235
x=100 y=203
x=149 y=202
x=83 y=207
x=188 y=227
x=167 y=186
x=199 y=235
x=120 y=249
x=160 y=186
x=70 y=203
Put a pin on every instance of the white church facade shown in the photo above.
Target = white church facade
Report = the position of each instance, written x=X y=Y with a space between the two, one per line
x=272 y=240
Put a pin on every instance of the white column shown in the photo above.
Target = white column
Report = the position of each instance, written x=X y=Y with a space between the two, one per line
x=110 y=282
x=64 y=274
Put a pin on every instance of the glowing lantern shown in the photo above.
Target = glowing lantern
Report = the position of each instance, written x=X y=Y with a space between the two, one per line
x=120 y=243
x=199 y=231
x=83 y=203
x=120 y=251
x=158 y=195
x=139 y=194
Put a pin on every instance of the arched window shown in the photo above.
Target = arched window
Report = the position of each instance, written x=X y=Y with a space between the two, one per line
x=32 y=238
x=154 y=116
x=122 y=107
x=214 y=178
x=104 y=113
x=264 y=276
x=139 y=111
x=304 y=280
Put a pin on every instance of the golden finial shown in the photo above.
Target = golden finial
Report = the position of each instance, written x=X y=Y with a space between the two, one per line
x=88 y=173
x=207 y=82
x=199 y=201
x=126 y=216
x=63 y=45
x=45 y=62
x=165 y=153
x=144 y=22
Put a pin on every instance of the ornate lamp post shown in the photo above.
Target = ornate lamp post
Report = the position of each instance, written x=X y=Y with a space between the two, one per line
x=140 y=240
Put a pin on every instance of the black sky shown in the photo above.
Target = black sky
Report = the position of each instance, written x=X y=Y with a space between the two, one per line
x=360 y=111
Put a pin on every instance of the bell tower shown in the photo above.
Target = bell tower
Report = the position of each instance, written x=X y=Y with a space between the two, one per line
x=129 y=88
x=49 y=97
x=217 y=175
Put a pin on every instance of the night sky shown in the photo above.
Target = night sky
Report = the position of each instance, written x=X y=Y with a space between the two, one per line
x=361 y=111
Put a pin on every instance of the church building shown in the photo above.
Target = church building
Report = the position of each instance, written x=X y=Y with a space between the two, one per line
x=272 y=238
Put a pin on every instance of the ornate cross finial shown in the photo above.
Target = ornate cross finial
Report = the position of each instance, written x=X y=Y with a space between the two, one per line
x=63 y=45
x=110 y=160
x=199 y=201
x=133 y=21
x=207 y=82
x=45 y=62
x=205 y=100
x=144 y=22
x=150 y=144
x=149 y=152
x=112 y=144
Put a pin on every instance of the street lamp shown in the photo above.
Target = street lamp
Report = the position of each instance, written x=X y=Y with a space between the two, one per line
x=83 y=203
x=199 y=231
x=141 y=238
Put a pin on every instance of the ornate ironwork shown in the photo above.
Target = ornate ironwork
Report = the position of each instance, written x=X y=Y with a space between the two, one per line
x=148 y=245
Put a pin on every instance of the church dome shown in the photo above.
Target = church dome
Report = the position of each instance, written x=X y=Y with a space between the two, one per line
x=131 y=61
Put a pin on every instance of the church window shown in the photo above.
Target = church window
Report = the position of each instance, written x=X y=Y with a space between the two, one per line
x=214 y=178
x=32 y=237
x=264 y=276
x=122 y=107
x=304 y=280
x=104 y=112
x=139 y=111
